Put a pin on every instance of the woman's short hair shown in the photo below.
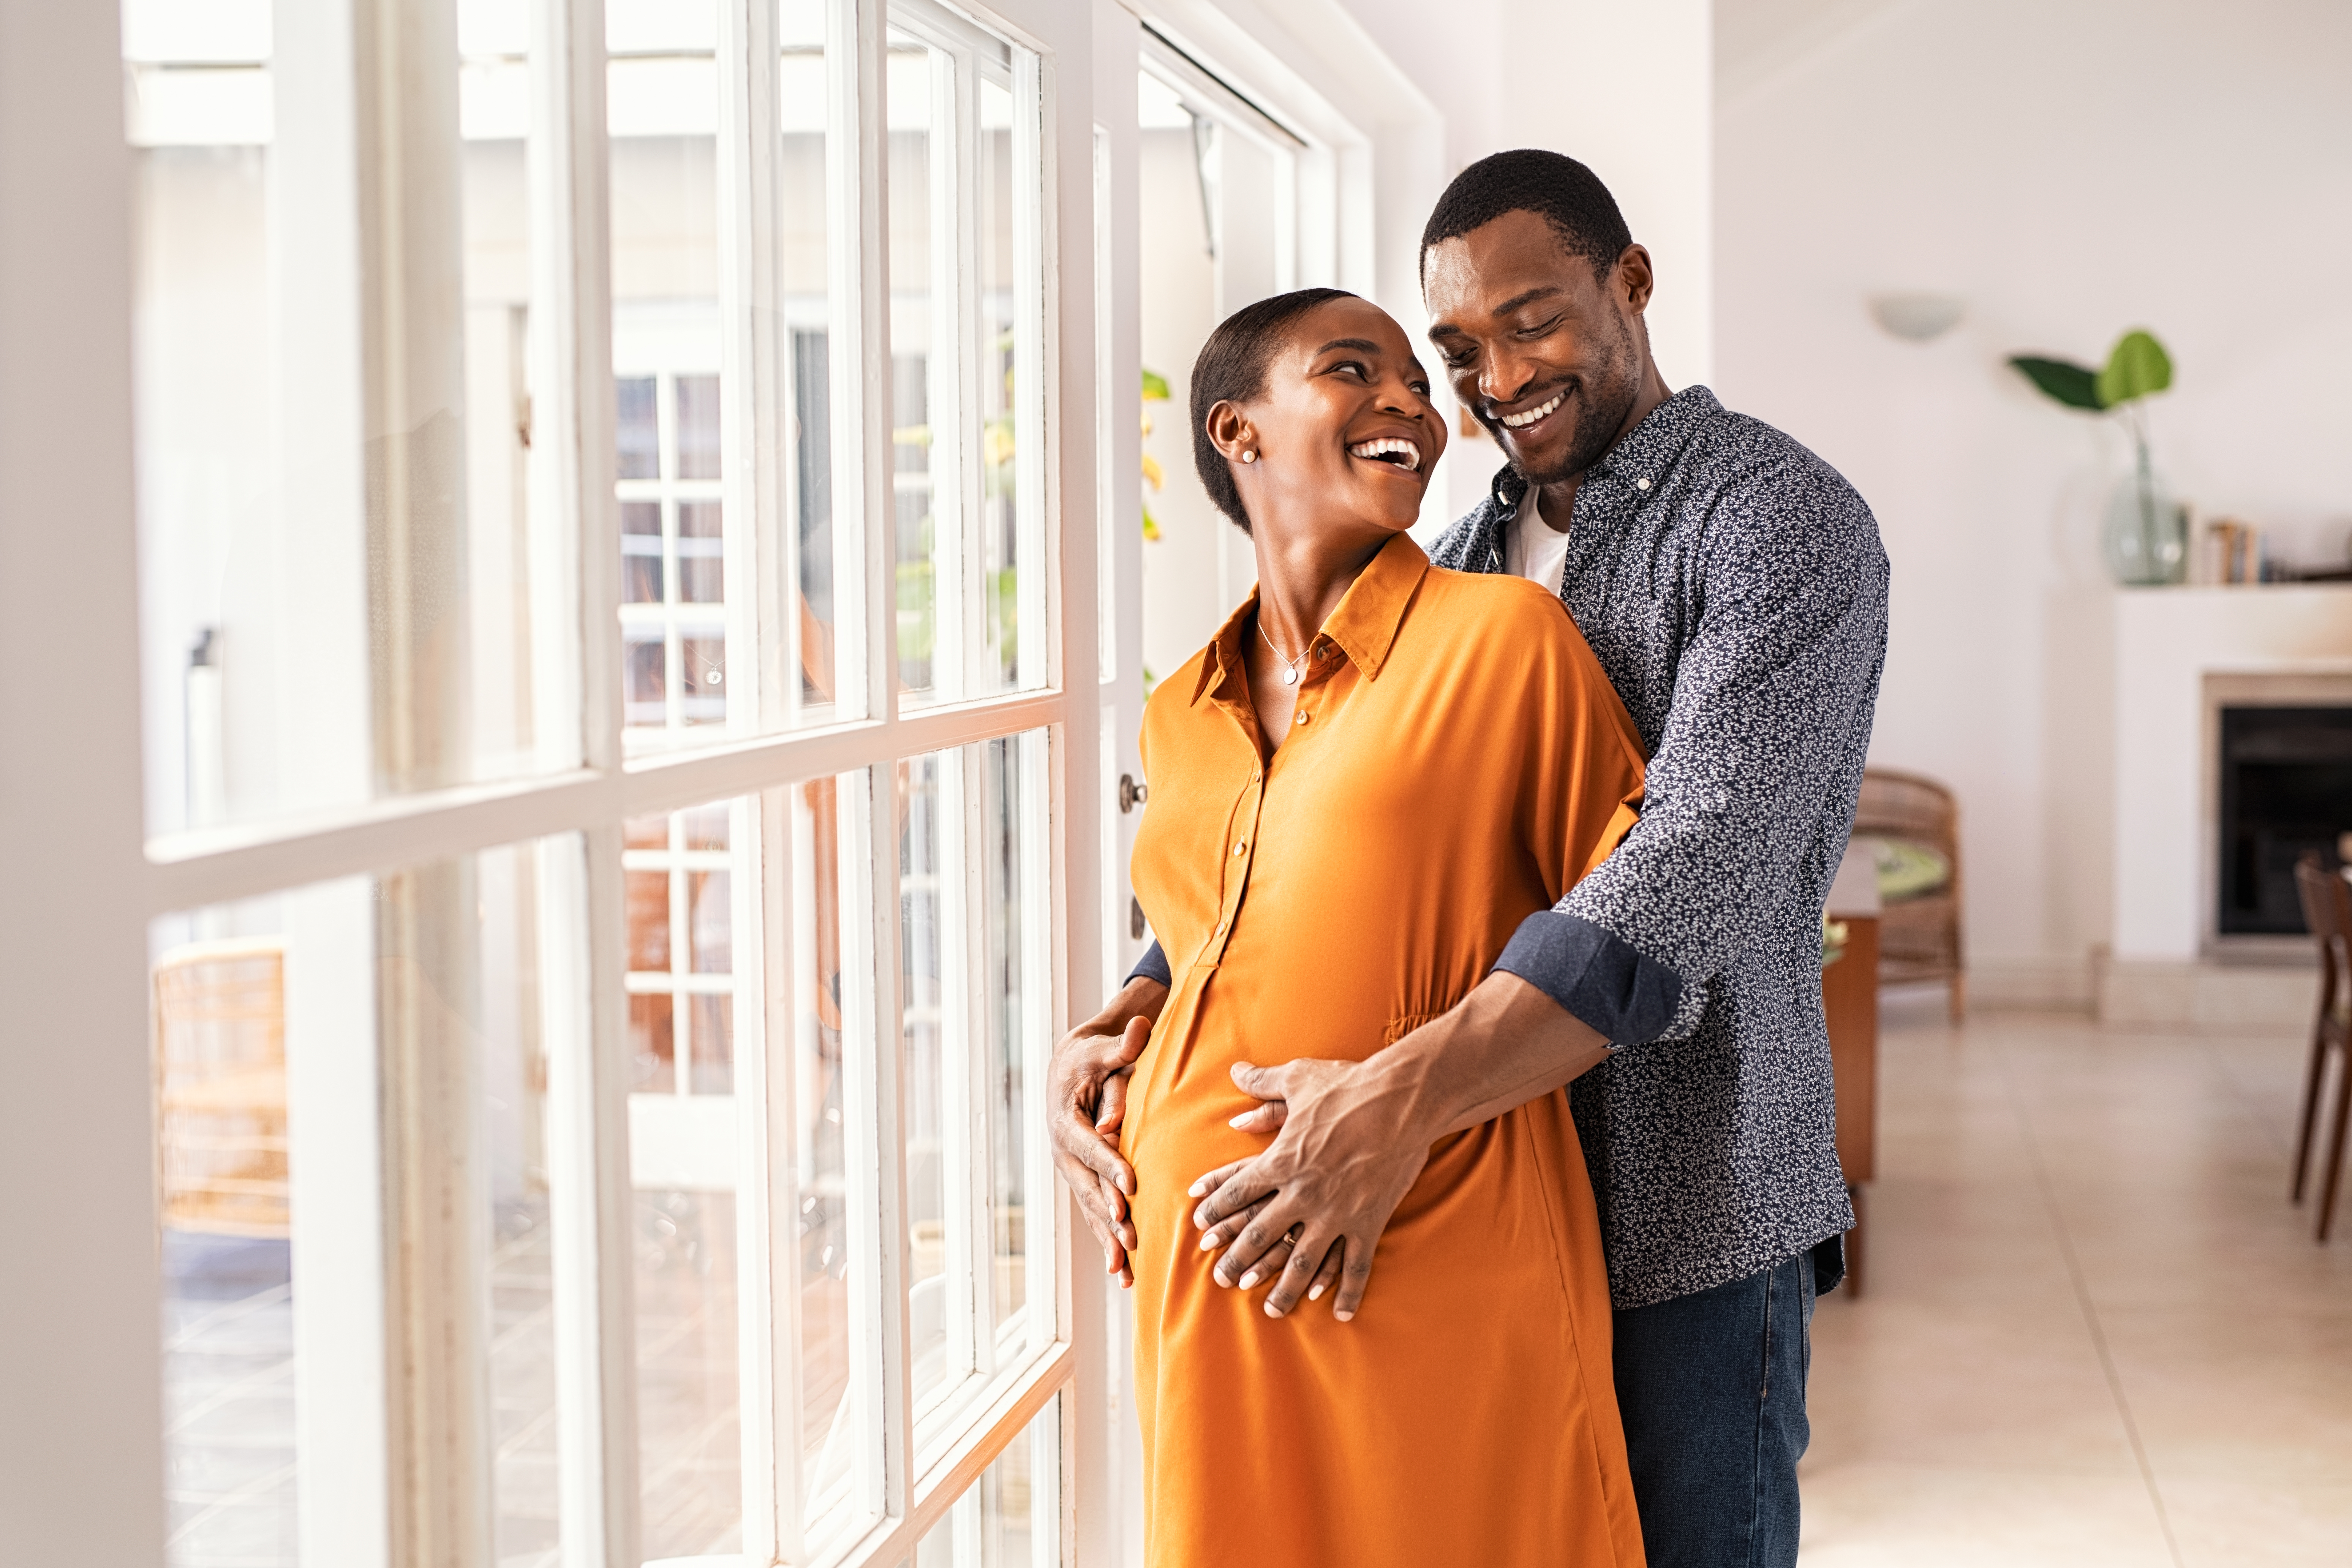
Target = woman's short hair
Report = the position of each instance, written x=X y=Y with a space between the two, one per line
x=1231 y=369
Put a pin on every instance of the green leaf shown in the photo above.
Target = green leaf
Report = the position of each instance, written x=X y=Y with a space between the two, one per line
x=2137 y=366
x=1155 y=386
x=2062 y=381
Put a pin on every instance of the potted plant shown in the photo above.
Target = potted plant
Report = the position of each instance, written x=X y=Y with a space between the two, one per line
x=2146 y=538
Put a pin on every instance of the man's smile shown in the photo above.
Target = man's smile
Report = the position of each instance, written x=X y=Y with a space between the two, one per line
x=1536 y=414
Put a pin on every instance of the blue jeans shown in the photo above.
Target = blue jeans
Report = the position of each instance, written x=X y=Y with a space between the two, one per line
x=1712 y=1390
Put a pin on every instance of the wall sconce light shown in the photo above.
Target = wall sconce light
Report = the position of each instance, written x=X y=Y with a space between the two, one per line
x=1918 y=317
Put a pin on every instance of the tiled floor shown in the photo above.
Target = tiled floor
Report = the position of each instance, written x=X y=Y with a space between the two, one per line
x=2094 y=1332
x=228 y=1391
x=230 y=1386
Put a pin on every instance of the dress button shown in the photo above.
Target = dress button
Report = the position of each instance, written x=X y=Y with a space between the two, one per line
x=1640 y=484
x=1304 y=716
x=1239 y=847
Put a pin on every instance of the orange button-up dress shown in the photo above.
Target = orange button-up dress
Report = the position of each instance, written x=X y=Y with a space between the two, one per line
x=1456 y=761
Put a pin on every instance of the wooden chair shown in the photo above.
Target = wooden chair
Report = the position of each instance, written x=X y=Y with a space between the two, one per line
x=1918 y=937
x=220 y=1086
x=2327 y=911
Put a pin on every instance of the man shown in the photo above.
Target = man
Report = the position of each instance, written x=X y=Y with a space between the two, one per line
x=1733 y=587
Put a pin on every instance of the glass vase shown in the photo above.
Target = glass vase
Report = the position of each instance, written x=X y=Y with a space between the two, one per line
x=2146 y=538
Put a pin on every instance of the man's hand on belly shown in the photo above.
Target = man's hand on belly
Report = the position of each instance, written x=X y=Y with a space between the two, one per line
x=1308 y=1212
x=1350 y=1138
x=1087 y=1089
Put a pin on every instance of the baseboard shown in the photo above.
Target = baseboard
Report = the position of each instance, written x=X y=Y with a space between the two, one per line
x=2206 y=998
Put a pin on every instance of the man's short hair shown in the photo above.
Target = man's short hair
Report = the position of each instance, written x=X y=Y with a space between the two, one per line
x=1556 y=188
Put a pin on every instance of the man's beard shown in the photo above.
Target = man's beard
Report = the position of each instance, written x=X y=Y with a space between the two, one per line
x=1602 y=400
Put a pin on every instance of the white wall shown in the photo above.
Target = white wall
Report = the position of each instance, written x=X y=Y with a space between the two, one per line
x=1184 y=596
x=2071 y=172
x=1629 y=89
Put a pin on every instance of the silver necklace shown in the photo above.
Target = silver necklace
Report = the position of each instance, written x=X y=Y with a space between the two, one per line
x=1289 y=665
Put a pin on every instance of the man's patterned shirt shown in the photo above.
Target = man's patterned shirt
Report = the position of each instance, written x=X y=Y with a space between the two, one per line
x=1732 y=586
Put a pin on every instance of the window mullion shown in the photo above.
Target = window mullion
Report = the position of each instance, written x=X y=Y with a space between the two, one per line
x=751 y=373
x=872 y=1008
x=574 y=532
x=767 y=1280
x=578 y=515
x=584 y=916
x=858 y=361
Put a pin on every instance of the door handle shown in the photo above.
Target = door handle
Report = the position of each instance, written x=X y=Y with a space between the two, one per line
x=1131 y=795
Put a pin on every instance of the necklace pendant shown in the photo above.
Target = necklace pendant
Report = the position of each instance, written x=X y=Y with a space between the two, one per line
x=1290 y=677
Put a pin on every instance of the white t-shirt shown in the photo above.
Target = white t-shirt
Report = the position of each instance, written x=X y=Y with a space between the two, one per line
x=1534 y=550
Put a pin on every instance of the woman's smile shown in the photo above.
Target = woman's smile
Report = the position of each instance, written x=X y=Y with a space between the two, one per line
x=1390 y=452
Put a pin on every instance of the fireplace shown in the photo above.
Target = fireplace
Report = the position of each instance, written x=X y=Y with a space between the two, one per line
x=2284 y=790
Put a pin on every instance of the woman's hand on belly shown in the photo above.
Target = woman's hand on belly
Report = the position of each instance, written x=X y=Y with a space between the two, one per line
x=1087 y=1088
x=1339 y=1193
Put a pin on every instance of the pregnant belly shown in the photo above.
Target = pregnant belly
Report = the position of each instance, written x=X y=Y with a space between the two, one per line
x=1492 y=1215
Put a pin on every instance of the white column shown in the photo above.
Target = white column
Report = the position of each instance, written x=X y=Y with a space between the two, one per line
x=80 y=1452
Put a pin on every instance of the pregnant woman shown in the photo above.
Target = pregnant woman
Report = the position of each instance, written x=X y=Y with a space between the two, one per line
x=1358 y=790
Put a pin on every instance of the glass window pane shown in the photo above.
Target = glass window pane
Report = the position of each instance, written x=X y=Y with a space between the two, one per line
x=1009 y=1517
x=1001 y=340
x=704 y=826
x=511 y=885
x=974 y=950
x=711 y=919
x=639 y=430
x=966 y=336
x=648 y=919
x=1014 y=1014
x=670 y=224
x=338 y=571
x=930 y=1302
x=714 y=1045
x=645 y=680
x=231 y=1462
x=653 y=1045
x=697 y=426
x=689 y=1443
x=803 y=262
x=685 y=945
x=661 y=104
x=281 y=1025
x=922 y=473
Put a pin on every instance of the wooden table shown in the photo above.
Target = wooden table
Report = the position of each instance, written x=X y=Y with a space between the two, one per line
x=1850 y=998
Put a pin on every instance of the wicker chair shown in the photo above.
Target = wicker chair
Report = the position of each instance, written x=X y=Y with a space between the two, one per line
x=220 y=1086
x=1918 y=935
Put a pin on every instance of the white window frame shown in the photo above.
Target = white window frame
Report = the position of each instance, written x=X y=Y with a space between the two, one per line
x=63 y=97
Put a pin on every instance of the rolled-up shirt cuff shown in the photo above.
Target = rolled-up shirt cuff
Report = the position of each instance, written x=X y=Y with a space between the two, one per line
x=1152 y=965
x=1625 y=996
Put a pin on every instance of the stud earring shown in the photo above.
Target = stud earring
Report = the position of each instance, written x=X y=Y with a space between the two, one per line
x=1249 y=457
